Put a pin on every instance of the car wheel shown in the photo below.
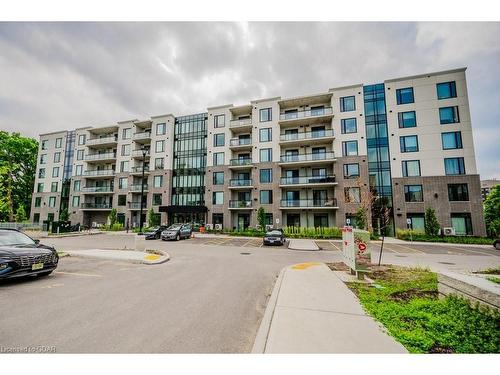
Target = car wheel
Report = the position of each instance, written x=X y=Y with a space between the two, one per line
x=43 y=274
x=178 y=237
x=497 y=245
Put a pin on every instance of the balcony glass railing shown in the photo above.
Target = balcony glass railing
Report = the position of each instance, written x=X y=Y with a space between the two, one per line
x=238 y=162
x=240 y=204
x=236 y=182
x=306 y=135
x=307 y=157
x=143 y=135
x=137 y=187
x=101 y=206
x=98 y=189
x=240 y=122
x=139 y=169
x=101 y=140
x=138 y=153
x=331 y=202
x=325 y=111
x=100 y=172
x=137 y=205
x=306 y=180
x=103 y=156
x=240 y=142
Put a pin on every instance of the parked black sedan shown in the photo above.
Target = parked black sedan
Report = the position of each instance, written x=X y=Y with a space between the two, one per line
x=274 y=237
x=155 y=232
x=20 y=255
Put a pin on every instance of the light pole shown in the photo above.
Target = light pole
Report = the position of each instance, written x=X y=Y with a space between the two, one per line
x=144 y=153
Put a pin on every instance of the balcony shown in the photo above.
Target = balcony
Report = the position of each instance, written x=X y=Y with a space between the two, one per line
x=137 y=205
x=102 y=141
x=241 y=205
x=102 y=157
x=97 y=190
x=96 y=206
x=240 y=125
x=138 y=154
x=143 y=137
x=315 y=181
x=136 y=188
x=330 y=203
x=307 y=159
x=100 y=173
x=307 y=138
x=310 y=116
x=138 y=170
x=240 y=163
x=240 y=184
x=240 y=144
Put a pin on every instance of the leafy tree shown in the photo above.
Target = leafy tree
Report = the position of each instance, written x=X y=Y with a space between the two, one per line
x=361 y=218
x=492 y=211
x=432 y=226
x=18 y=156
x=153 y=219
x=261 y=217
x=20 y=214
x=112 y=217
x=64 y=215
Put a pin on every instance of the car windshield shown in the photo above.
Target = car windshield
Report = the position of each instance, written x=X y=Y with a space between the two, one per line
x=12 y=237
x=273 y=233
x=154 y=229
x=174 y=227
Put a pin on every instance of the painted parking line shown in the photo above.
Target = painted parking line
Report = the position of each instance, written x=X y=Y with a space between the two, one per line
x=409 y=248
x=78 y=274
x=335 y=246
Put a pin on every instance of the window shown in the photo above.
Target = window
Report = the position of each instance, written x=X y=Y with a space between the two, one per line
x=318 y=110
x=44 y=144
x=351 y=170
x=266 y=154
x=448 y=115
x=268 y=219
x=266 y=176
x=39 y=187
x=76 y=201
x=55 y=172
x=125 y=150
x=218 y=197
x=122 y=200
x=161 y=129
x=159 y=146
x=408 y=143
x=404 y=96
x=36 y=218
x=411 y=168
x=219 y=140
x=265 y=135
x=38 y=201
x=350 y=148
x=349 y=125
x=58 y=142
x=407 y=119
x=462 y=223
x=218 y=219
x=41 y=173
x=451 y=140
x=446 y=90
x=127 y=133
x=265 y=114
x=157 y=199
x=124 y=166
x=458 y=192
x=417 y=222
x=159 y=163
x=77 y=185
x=79 y=155
x=43 y=159
x=53 y=187
x=81 y=139
x=218 y=158
x=413 y=193
x=219 y=121
x=78 y=170
x=218 y=178
x=347 y=103
x=454 y=166
x=122 y=183
x=157 y=181
x=266 y=197
x=52 y=201
x=352 y=195
x=321 y=220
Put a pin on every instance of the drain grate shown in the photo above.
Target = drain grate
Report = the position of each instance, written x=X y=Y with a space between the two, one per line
x=245 y=253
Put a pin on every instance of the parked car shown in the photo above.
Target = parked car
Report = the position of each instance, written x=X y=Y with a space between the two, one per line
x=20 y=255
x=496 y=244
x=176 y=232
x=274 y=237
x=155 y=232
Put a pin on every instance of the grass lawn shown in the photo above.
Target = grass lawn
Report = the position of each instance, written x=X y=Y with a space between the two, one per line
x=406 y=302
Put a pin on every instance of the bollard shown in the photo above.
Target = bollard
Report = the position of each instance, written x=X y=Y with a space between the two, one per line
x=140 y=242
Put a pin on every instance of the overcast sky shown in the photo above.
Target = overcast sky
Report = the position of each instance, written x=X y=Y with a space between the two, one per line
x=56 y=76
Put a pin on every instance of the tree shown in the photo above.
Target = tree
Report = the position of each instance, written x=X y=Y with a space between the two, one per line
x=261 y=217
x=64 y=215
x=432 y=226
x=361 y=218
x=153 y=219
x=382 y=213
x=112 y=217
x=18 y=156
x=492 y=211
x=20 y=214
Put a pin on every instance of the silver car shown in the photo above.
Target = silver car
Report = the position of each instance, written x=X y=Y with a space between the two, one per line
x=176 y=232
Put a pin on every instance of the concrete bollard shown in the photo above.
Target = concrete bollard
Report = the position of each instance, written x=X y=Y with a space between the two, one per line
x=140 y=243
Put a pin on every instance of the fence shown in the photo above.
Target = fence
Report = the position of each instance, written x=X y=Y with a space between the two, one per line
x=21 y=226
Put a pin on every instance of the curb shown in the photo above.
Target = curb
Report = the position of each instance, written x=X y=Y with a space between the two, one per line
x=260 y=342
x=164 y=257
x=71 y=235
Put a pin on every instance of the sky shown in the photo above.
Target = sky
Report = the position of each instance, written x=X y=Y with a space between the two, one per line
x=58 y=76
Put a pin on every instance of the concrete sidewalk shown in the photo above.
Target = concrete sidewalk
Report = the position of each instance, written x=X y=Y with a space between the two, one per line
x=124 y=255
x=302 y=244
x=312 y=311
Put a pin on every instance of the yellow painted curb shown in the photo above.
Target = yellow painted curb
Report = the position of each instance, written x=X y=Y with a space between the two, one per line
x=303 y=266
x=151 y=257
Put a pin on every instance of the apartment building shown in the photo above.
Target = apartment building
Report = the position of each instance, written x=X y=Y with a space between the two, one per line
x=308 y=161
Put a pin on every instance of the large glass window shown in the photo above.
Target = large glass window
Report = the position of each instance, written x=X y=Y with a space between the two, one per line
x=157 y=199
x=266 y=197
x=350 y=148
x=124 y=166
x=266 y=155
x=58 y=142
x=404 y=96
x=77 y=184
x=407 y=119
x=218 y=178
x=265 y=135
x=417 y=221
x=161 y=129
x=351 y=170
x=458 y=192
x=57 y=157
x=448 y=115
x=411 y=168
x=122 y=200
x=126 y=150
x=160 y=146
x=76 y=201
x=462 y=223
x=53 y=187
x=127 y=133
x=219 y=121
x=78 y=170
x=446 y=90
x=38 y=201
x=408 y=143
x=218 y=158
x=41 y=173
x=79 y=155
x=55 y=172
x=352 y=194
x=122 y=182
x=43 y=159
x=265 y=114
x=266 y=175
x=451 y=140
x=219 y=140
x=349 y=125
x=81 y=139
x=52 y=201
x=414 y=193
x=39 y=187
x=44 y=144
x=347 y=103
x=218 y=197
x=454 y=166
x=157 y=181
x=159 y=163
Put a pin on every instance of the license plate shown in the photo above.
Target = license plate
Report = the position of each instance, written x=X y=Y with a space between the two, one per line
x=37 y=266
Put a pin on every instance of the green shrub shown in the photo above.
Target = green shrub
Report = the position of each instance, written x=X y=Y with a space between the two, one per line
x=432 y=226
x=313 y=232
x=113 y=228
x=408 y=235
